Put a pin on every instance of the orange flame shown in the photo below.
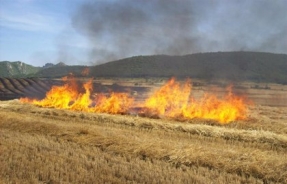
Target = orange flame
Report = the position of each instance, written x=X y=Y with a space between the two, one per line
x=83 y=101
x=168 y=100
x=60 y=96
x=85 y=72
x=68 y=96
x=117 y=103
x=175 y=101
x=27 y=100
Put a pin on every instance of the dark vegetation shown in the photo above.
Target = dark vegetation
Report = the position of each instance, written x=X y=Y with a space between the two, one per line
x=231 y=66
x=60 y=71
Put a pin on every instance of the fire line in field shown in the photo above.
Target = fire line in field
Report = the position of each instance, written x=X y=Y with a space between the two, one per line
x=172 y=100
x=175 y=101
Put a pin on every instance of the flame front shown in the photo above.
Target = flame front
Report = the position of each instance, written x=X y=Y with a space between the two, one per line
x=173 y=100
x=168 y=100
x=69 y=96
x=117 y=103
x=83 y=101
x=60 y=97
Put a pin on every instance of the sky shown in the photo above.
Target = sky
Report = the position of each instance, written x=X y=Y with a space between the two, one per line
x=86 y=32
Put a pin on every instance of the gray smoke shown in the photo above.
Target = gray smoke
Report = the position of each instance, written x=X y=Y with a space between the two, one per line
x=123 y=28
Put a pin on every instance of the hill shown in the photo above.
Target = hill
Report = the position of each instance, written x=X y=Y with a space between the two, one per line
x=235 y=66
x=19 y=69
x=60 y=71
x=230 y=66
x=16 y=69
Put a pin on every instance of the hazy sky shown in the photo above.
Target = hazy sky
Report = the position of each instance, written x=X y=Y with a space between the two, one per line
x=93 y=32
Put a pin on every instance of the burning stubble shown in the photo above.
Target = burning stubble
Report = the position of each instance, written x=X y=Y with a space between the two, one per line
x=173 y=100
x=117 y=29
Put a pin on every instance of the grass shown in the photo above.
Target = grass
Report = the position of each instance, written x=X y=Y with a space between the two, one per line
x=39 y=145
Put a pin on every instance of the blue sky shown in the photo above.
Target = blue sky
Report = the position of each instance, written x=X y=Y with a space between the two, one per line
x=38 y=31
x=86 y=32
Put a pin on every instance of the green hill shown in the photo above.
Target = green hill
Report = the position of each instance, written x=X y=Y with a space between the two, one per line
x=16 y=69
x=60 y=71
x=20 y=69
x=234 y=66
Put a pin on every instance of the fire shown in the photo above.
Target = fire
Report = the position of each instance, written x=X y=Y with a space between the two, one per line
x=26 y=100
x=83 y=101
x=173 y=100
x=117 y=103
x=60 y=97
x=168 y=100
x=69 y=96
x=85 y=72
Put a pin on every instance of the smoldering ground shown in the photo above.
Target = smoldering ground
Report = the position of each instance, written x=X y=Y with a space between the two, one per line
x=117 y=29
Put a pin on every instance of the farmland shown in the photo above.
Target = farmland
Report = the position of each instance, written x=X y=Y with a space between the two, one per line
x=46 y=145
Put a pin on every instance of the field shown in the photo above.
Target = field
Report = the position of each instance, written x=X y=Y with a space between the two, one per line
x=45 y=145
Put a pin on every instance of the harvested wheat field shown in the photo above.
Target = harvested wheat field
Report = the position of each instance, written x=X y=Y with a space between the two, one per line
x=44 y=145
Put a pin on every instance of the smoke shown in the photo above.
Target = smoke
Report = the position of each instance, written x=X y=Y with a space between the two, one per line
x=123 y=28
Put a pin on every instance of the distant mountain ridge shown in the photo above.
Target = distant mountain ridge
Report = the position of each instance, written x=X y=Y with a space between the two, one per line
x=60 y=71
x=233 y=66
x=16 y=69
